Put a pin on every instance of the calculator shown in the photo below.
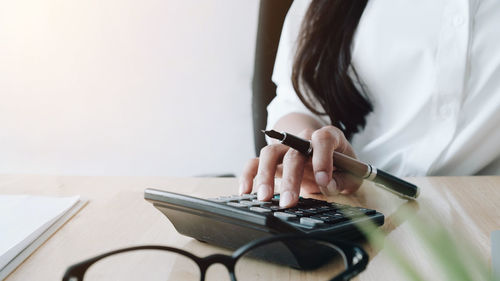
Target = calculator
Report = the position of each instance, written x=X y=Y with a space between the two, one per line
x=232 y=221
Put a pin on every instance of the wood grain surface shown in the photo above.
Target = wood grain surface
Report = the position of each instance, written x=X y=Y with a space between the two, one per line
x=117 y=216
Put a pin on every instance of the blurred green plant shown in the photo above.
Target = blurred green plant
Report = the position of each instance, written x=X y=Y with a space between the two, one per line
x=455 y=257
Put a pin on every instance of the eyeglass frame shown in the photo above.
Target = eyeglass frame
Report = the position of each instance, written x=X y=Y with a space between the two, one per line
x=354 y=264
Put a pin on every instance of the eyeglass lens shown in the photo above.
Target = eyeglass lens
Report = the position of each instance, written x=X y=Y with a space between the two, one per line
x=154 y=265
x=316 y=260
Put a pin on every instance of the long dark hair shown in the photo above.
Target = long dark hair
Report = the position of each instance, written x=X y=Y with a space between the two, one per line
x=323 y=61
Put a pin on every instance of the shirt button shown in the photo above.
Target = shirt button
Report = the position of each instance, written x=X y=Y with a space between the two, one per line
x=458 y=20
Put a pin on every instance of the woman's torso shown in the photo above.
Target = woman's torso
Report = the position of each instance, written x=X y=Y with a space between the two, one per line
x=431 y=68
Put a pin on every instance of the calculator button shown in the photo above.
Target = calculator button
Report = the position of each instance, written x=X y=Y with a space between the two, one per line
x=248 y=196
x=297 y=213
x=271 y=207
x=311 y=211
x=311 y=221
x=261 y=202
x=218 y=200
x=232 y=198
x=367 y=212
x=306 y=202
x=334 y=215
x=329 y=219
x=250 y=203
x=285 y=216
x=235 y=204
x=325 y=208
x=259 y=210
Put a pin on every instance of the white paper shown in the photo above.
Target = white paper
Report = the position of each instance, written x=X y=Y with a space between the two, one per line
x=23 y=218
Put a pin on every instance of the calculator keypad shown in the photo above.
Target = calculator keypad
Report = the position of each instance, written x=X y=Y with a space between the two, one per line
x=308 y=213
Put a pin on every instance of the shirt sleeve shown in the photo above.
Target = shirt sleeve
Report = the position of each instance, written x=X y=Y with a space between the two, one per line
x=286 y=100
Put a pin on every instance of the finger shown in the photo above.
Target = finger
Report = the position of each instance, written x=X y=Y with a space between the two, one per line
x=308 y=183
x=324 y=142
x=249 y=173
x=293 y=171
x=270 y=157
x=279 y=171
x=348 y=182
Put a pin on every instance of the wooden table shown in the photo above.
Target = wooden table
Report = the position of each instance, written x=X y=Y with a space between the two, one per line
x=118 y=216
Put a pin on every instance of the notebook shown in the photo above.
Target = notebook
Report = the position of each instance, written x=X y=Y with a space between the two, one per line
x=26 y=221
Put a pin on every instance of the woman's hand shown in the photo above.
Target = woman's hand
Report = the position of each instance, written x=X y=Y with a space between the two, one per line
x=315 y=174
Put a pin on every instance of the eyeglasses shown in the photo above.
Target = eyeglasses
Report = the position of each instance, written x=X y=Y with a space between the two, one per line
x=318 y=256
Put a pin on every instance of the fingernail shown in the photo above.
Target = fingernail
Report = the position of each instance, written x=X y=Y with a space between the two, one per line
x=263 y=192
x=286 y=198
x=332 y=187
x=321 y=178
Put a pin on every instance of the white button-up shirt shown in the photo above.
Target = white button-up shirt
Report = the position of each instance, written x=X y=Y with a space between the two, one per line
x=431 y=69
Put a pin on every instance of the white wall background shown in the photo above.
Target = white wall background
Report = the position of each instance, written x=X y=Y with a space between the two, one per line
x=125 y=87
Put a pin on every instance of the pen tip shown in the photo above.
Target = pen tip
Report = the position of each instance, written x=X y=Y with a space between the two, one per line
x=273 y=134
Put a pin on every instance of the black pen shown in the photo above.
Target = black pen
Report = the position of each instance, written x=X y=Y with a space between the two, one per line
x=383 y=179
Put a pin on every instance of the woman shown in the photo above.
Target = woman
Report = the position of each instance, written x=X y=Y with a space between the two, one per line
x=410 y=86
